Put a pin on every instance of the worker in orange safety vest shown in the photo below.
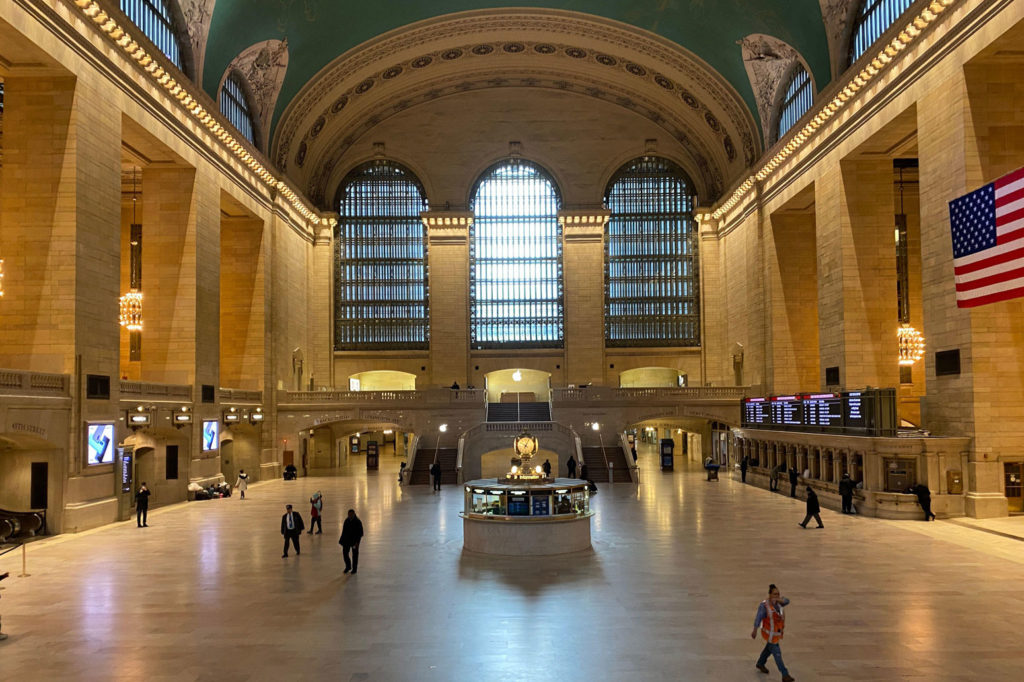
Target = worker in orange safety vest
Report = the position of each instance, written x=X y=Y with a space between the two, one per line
x=771 y=620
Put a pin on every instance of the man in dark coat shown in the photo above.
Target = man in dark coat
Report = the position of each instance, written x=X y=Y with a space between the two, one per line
x=744 y=463
x=846 y=492
x=793 y=474
x=142 y=505
x=351 y=534
x=813 y=509
x=547 y=468
x=571 y=466
x=924 y=498
x=435 y=473
x=291 y=528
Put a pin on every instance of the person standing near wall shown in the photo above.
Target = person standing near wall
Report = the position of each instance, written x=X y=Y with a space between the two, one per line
x=924 y=498
x=744 y=463
x=142 y=505
x=792 y=481
x=846 y=493
x=771 y=620
x=242 y=482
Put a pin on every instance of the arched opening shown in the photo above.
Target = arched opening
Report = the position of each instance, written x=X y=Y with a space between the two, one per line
x=515 y=259
x=30 y=481
x=382 y=380
x=652 y=377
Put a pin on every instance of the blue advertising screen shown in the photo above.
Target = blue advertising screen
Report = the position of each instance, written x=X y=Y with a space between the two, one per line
x=211 y=430
x=100 y=444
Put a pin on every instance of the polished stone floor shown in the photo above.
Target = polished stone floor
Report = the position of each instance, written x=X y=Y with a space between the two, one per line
x=668 y=593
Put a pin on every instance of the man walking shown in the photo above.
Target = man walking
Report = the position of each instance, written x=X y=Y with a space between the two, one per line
x=291 y=529
x=813 y=508
x=351 y=534
x=142 y=505
x=846 y=492
x=771 y=620
x=435 y=474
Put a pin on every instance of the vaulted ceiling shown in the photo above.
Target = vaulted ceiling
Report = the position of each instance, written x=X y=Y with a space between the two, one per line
x=328 y=72
x=318 y=31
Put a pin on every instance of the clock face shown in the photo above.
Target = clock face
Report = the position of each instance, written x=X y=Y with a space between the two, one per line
x=525 y=445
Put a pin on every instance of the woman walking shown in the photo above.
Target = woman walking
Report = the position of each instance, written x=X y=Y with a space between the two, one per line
x=242 y=483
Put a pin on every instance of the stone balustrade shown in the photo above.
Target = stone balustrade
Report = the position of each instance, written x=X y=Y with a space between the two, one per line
x=239 y=395
x=148 y=390
x=15 y=382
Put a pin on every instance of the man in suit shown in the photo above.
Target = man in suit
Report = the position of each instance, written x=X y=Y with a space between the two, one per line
x=291 y=529
x=142 y=505
x=351 y=534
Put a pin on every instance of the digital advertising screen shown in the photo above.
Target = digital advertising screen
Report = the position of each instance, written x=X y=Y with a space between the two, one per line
x=211 y=431
x=100 y=444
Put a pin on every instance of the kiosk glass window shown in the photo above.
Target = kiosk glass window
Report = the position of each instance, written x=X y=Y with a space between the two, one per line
x=515 y=259
x=652 y=280
x=381 y=285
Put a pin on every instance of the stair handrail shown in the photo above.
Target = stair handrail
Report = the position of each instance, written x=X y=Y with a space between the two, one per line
x=604 y=456
x=458 y=458
x=579 y=446
x=634 y=468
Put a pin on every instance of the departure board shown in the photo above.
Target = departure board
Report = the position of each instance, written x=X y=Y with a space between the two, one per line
x=823 y=409
x=756 y=411
x=871 y=412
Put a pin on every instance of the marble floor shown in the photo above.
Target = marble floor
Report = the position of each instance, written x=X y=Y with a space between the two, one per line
x=668 y=592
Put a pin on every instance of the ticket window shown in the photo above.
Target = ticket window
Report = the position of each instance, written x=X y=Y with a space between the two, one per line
x=1013 y=476
x=488 y=503
x=900 y=474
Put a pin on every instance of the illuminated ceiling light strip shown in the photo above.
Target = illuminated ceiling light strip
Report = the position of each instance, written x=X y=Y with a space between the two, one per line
x=857 y=82
x=92 y=10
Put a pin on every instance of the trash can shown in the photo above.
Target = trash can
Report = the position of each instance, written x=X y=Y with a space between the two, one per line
x=667 y=454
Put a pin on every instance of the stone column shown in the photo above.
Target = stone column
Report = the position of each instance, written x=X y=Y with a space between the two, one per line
x=321 y=311
x=583 y=270
x=857 y=314
x=448 y=256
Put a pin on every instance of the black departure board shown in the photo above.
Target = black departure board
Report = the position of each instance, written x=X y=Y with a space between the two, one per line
x=871 y=412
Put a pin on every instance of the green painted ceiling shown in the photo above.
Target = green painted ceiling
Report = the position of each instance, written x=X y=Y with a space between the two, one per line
x=318 y=31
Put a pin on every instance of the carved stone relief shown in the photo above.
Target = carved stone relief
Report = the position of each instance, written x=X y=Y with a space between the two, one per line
x=768 y=61
x=264 y=66
x=198 y=14
x=838 y=17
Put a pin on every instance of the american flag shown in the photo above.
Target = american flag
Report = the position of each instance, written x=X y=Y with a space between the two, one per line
x=988 y=242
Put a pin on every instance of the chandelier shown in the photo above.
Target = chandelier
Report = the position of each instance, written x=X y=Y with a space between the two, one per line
x=911 y=345
x=131 y=311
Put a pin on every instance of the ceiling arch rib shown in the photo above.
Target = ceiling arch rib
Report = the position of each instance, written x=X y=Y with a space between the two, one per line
x=769 y=63
x=616 y=63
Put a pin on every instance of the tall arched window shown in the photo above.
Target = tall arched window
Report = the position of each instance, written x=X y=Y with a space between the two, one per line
x=515 y=252
x=797 y=100
x=154 y=18
x=652 y=295
x=873 y=19
x=380 y=282
x=235 y=105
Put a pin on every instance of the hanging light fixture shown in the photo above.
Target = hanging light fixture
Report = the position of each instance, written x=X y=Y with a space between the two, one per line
x=911 y=345
x=131 y=311
x=131 y=303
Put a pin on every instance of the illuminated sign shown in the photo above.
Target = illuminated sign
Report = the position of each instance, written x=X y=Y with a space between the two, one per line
x=100 y=444
x=211 y=435
x=871 y=412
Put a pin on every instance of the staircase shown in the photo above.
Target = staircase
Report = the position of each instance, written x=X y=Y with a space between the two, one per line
x=425 y=457
x=620 y=466
x=596 y=470
x=521 y=412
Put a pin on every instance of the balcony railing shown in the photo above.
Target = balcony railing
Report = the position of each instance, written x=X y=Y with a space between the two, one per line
x=15 y=382
x=131 y=390
x=467 y=396
x=239 y=395
x=607 y=393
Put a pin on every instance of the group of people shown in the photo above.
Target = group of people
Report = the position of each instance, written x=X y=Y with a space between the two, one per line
x=292 y=526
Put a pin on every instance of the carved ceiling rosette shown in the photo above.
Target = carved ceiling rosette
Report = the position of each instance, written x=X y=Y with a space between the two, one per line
x=263 y=67
x=593 y=57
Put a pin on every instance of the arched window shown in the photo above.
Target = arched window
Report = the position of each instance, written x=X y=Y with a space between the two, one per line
x=380 y=283
x=797 y=100
x=155 y=20
x=515 y=259
x=873 y=19
x=235 y=105
x=652 y=295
